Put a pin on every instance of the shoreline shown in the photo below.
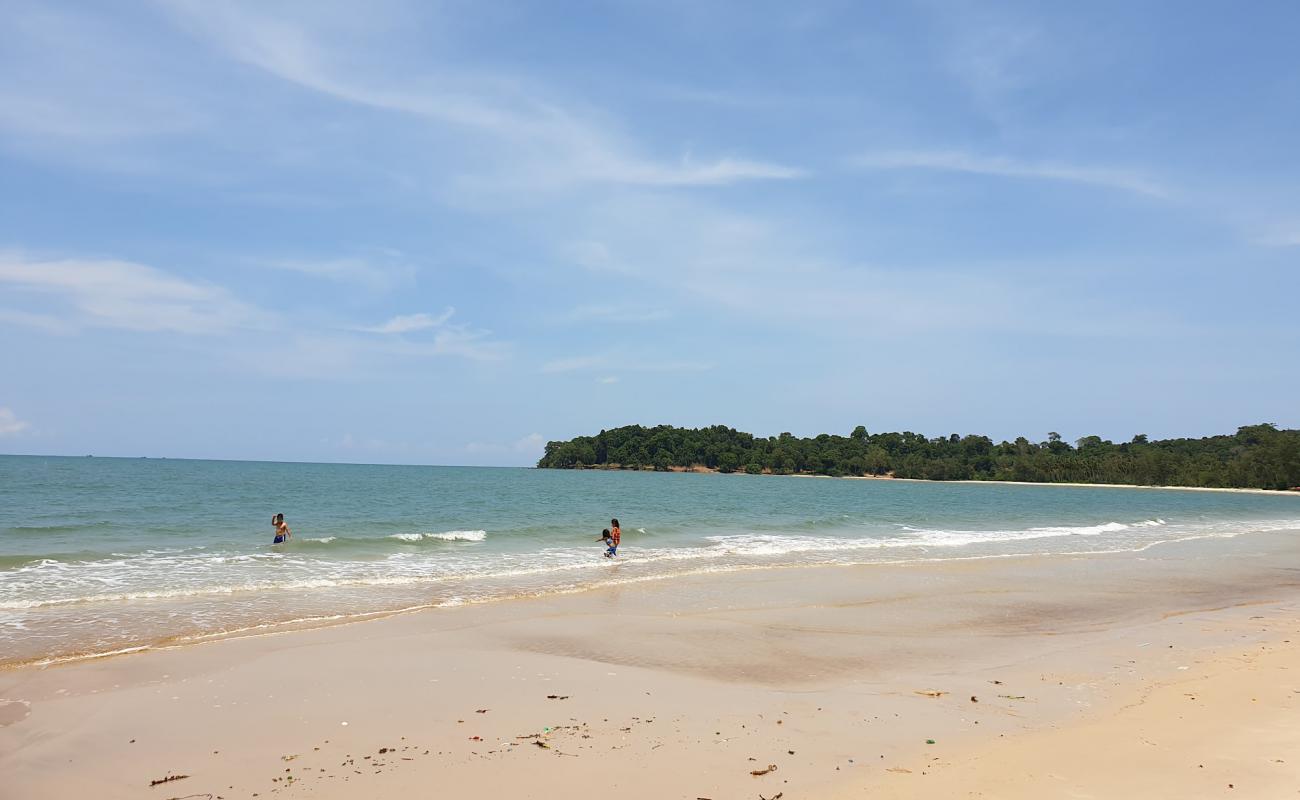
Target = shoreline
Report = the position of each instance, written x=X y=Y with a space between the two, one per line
x=670 y=688
x=344 y=618
x=698 y=469
x=313 y=623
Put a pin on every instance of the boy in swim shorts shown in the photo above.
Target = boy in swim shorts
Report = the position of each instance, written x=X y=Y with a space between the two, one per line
x=281 y=529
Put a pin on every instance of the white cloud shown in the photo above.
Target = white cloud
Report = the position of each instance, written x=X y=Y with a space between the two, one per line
x=532 y=443
x=593 y=256
x=956 y=161
x=1279 y=236
x=608 y=379
x=623 y=362
x=104 y=293
x=408 y=323
x=41 y=322
x=369 y=274
x=531 y=446
x=66 y=77
x=125 y=295
x=686 y=173
x=993 y=58
x=335 y=355
x=466 y=343
x=574 y=363
x=10 y=425
x=556 y=144
x=613 y=313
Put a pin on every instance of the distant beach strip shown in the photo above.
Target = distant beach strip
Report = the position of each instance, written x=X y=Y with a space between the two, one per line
x=1255 y=457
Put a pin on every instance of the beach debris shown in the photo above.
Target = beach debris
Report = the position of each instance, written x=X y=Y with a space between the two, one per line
x=929 y=741
x=757 y=772
x=974 y=699
x=1012 y=696
x=168 y=779
x=481 y=711
x=776 y=796
x=557 y=697
x=541 y=744
x=344 y=724
x=930 y=692
x=291 y=756
x=997 y=683
x=472 y=739
x=899 y=769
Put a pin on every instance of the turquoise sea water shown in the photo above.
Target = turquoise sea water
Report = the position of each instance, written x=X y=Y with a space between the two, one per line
x=102 y=554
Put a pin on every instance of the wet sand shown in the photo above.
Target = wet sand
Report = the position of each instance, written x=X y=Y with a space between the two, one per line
x=1173 y=673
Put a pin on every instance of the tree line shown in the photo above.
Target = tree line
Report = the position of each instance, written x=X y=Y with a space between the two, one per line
x=1256 y=456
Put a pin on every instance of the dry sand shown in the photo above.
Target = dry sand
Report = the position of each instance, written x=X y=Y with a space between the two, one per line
x=1172 y=674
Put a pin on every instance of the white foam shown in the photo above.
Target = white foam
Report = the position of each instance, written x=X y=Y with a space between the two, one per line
x=458 y=536
x=778 y=544
x=445 y=536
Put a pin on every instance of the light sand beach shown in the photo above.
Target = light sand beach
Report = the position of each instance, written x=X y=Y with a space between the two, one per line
x=1175 y=673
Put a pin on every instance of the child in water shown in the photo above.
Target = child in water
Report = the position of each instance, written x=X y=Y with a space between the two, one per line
x=281 y=529
x=614 y=536
x=609 y=543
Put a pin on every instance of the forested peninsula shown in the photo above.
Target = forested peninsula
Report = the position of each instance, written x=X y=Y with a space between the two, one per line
x=1256 y=456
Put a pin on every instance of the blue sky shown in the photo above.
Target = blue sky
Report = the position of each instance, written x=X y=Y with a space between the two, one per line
x=445 y=232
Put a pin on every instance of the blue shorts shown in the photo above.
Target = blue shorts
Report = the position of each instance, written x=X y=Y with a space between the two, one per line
x=278 y=540
x=612 y=550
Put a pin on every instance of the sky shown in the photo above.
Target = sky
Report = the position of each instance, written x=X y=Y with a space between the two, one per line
x=448 y=232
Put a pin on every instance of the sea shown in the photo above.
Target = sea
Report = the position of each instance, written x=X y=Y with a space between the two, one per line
x=111 y=555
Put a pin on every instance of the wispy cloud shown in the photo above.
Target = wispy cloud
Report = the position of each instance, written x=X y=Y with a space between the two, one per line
x=463 y=341
x=957 y=161
x=687 y=173
x=574 y=363
x=628 y=363
x=358 y=271
x=624 y=314
x=124 y=295
x=409 y=323
x=10 y=424
x=1284 y=235
x=47 y=323
x=530 y=446
x=559 y=143
x=65 y=79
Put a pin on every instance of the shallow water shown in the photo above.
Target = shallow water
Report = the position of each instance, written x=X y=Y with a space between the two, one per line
x=101 y=554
